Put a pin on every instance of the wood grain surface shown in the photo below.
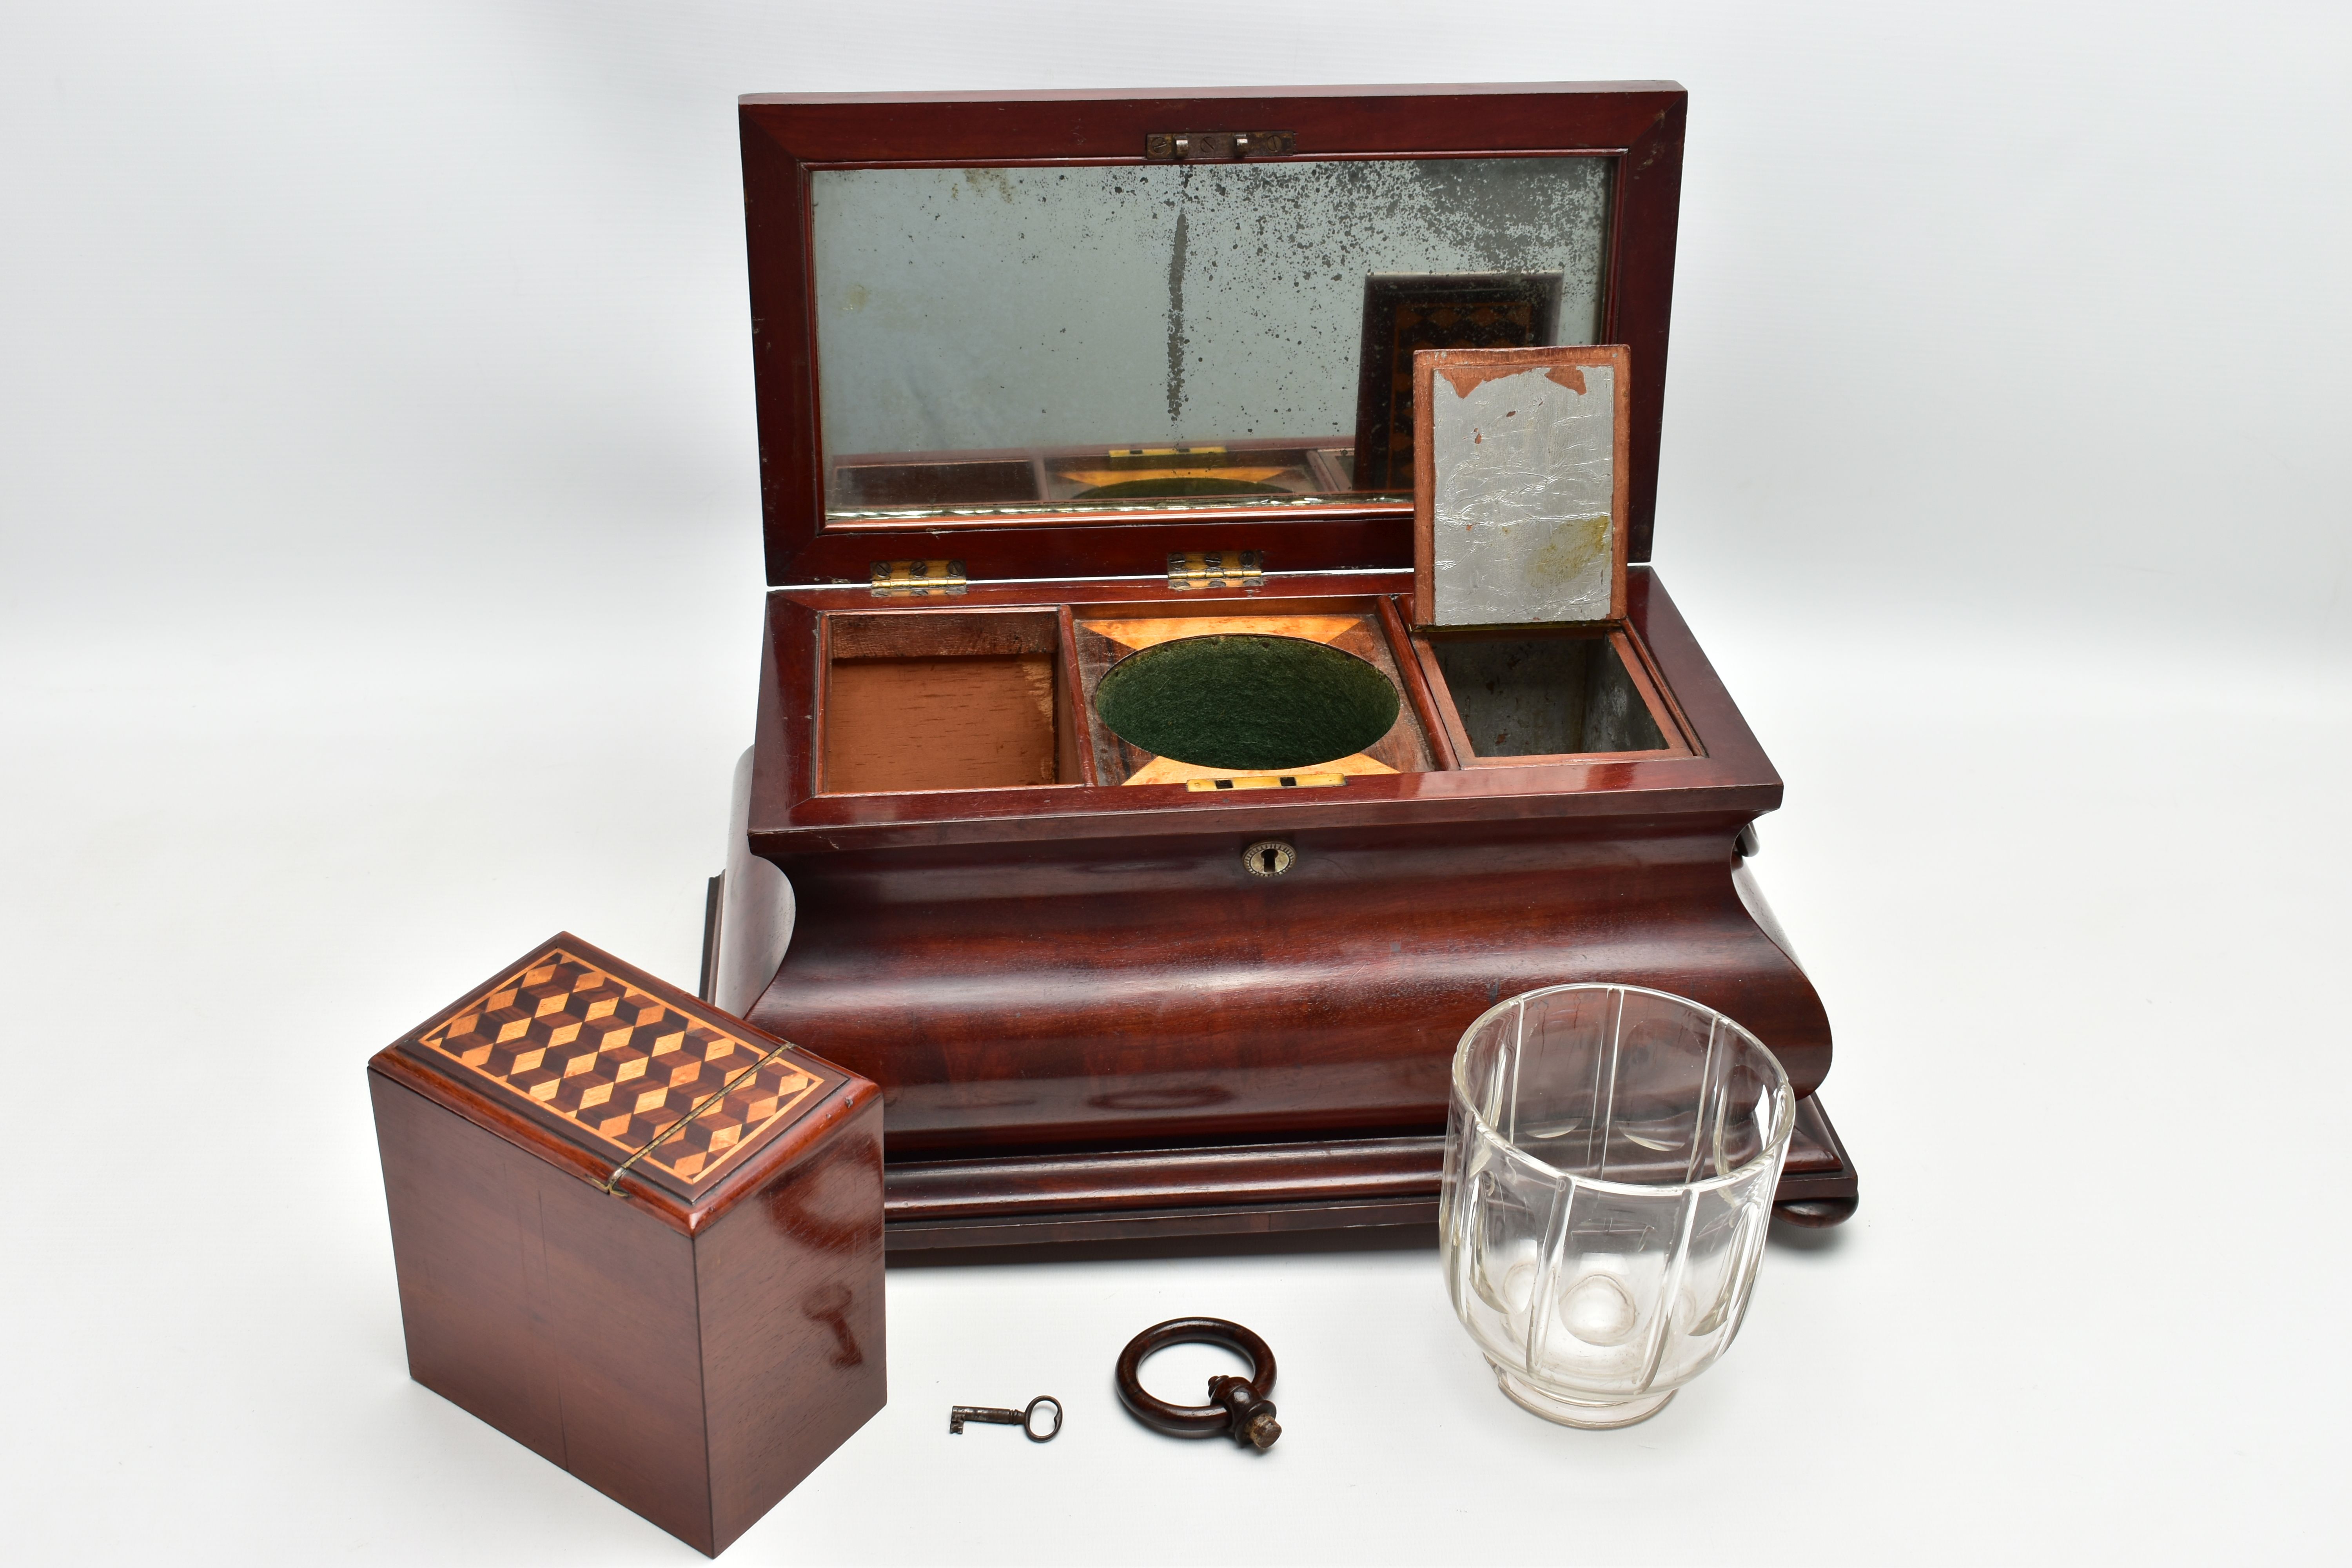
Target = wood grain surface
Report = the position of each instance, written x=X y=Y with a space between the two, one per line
x=691 y=1350
x=1092 y=968
x=974 y=723
x=1724 y=772
x=1182 y=1195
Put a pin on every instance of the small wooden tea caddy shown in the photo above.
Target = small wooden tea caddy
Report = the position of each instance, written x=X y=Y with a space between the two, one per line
x=1111 y=993
x=634 y=1236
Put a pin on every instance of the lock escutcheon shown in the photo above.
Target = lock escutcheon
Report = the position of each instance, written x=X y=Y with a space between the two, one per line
x=1269 y=857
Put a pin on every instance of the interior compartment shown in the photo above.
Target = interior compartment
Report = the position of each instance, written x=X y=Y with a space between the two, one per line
x=1545 y=696
x=1250 y=701
x=946 y=700
x=1224 y=698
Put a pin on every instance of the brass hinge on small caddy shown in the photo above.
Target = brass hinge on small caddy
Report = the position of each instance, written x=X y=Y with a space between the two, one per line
x=1202 y=146
x=917 y=579
x=1216 y=569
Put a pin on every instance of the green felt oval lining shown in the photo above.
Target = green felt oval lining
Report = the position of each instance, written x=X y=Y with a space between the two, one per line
x=1246 y=701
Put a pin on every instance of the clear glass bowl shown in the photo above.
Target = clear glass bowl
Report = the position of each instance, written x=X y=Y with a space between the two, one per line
x=1611 y=1158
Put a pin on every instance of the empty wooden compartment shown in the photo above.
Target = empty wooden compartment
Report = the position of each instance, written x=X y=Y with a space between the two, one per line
x=1522 y=695
x=953 y=700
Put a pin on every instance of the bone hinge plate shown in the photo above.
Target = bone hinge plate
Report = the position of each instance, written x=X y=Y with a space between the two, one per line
x=1270 y=781
x=1206 y=146
x=1216 y=569
x=917 y=579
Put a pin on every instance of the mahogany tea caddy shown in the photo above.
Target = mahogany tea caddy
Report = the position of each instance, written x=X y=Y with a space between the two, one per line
x=1109 y=994
x=638 y=1237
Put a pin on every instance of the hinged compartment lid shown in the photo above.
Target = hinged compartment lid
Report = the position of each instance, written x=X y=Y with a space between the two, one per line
x=640 y=1088
x=1080 y=334
x=1520 y=486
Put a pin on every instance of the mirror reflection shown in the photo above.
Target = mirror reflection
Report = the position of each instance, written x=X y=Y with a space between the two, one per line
x=1065 y=341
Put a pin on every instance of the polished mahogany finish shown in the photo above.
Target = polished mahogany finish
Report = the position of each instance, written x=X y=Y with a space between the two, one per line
x=1342 y=1183
x=1089 y=1019
x=692 y=1346
x=1089 y=972
x=1727 y=775
x=786 y=137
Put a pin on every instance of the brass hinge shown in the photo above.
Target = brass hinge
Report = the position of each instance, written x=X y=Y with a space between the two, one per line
x=917 y=579
x=1216 y=569
x=1204 y=146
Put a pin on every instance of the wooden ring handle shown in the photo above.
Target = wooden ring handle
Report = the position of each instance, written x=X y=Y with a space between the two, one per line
x=1239 y=1407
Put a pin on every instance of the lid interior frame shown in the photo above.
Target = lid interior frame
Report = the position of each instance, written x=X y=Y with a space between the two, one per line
x=787 y=138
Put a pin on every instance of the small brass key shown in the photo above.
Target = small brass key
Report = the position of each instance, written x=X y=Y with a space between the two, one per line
x=1024 y=1419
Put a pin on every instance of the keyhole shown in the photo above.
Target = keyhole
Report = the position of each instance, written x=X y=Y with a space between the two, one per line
x=1269 y=857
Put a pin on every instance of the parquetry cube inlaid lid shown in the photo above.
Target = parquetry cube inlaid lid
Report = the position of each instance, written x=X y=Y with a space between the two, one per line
x=628 y=1068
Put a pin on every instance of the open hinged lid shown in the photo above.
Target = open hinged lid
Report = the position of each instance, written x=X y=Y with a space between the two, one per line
x=1074 y=334
x=627 y=1081
x=1520 y=484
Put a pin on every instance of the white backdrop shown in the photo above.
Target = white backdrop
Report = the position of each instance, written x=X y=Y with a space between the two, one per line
x=379 y=573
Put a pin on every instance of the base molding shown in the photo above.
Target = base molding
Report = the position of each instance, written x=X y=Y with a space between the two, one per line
x=1260 y=1191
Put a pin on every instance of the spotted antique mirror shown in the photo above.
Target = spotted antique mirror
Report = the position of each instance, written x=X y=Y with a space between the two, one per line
x=1056 y=341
